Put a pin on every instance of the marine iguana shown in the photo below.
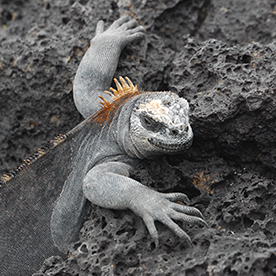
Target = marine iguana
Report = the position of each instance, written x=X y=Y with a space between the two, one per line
x=44 y=204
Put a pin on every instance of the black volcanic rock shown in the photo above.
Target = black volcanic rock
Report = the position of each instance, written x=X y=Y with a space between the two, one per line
x=220 y=55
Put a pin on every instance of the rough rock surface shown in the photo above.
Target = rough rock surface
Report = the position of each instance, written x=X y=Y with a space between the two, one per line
x=218 y=54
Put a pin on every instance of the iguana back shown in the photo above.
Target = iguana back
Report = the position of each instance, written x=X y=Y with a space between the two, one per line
x=25 y=212
x=27 y=200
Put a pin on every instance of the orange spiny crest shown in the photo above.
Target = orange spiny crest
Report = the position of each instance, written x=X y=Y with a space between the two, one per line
x=32 y=158
x=104 y=102
x=123 y=88
x=124 y=91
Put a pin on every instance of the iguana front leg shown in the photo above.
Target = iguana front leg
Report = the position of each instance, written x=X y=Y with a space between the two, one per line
x=108 y=185
x=98 y=65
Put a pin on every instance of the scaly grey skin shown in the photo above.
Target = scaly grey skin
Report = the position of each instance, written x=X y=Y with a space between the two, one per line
x=149 y=125
x=43 y=203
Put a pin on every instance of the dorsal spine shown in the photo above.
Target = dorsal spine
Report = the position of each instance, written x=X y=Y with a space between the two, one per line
x=124 y=88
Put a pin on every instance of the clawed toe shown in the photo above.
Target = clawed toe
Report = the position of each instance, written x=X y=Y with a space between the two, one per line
x=116 y=24
x=129 y=25
x=187 y=210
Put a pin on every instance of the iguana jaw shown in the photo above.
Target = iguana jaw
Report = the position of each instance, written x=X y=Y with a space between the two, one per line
x=171 y=147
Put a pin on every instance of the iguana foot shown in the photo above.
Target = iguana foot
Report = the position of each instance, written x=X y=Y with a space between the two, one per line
x=152 y=205
x=108 y=185
x=123 y=31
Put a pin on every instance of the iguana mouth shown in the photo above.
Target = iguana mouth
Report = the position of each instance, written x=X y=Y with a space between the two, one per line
x=180 y=145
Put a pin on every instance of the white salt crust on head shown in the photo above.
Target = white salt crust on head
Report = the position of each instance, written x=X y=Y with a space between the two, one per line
x=172 y=111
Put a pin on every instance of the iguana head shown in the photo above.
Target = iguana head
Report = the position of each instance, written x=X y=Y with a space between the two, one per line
x=159 y=124
x=159 y=121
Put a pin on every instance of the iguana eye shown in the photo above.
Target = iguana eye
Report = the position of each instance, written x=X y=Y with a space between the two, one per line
x=149 y=124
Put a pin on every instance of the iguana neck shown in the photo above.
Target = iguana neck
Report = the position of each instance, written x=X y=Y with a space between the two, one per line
x=119 y=129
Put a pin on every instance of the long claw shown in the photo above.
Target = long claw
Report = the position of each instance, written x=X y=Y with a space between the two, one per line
x=138 y=29
x=176 y=229
x=151 y=228
x=186 y=210
x=129 y=25
x=177 y=197
x=120 y=21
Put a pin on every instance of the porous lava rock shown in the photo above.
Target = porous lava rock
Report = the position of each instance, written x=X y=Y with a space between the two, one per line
x=220 y=55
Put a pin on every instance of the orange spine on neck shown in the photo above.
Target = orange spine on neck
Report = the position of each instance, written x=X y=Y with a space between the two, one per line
x=125 y=90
